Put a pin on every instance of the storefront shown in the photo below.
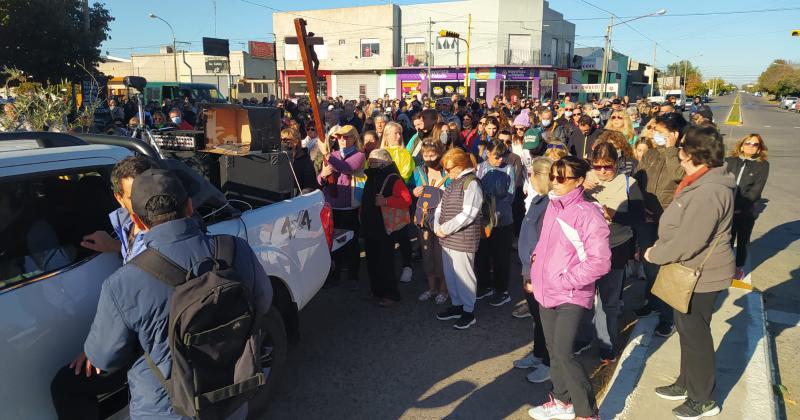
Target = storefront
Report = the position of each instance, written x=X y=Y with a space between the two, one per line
x=519 y=83
x=357 y=85
x=293 y=83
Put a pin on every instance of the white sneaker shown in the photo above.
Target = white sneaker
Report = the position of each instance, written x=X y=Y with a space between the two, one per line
x=539 y=375
x=441 y=298
x=552 y=409
x=405 y=277
x=426 y=295
x=527 y=362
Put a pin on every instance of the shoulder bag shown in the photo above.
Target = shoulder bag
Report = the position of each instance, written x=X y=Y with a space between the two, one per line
x=676 y=282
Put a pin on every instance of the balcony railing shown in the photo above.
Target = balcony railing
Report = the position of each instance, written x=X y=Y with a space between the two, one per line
x=522 y=57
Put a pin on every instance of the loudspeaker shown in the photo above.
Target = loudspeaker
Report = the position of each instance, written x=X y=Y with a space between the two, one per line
x=258 y=179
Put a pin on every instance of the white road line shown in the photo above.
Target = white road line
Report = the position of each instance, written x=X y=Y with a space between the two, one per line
x=797 y=127
x=783 y=317
x=767 y=126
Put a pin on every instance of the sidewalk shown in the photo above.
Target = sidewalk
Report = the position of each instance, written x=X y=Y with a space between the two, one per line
x=744 y=366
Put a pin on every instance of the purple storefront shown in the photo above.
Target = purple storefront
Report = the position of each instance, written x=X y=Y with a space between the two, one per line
x=485 y=82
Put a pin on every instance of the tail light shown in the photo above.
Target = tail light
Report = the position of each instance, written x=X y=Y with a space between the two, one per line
x=326 y=215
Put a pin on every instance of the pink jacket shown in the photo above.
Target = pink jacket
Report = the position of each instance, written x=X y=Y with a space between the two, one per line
x=572 y=253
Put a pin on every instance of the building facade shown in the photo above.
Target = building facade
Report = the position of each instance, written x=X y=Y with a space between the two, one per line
x=590 y=79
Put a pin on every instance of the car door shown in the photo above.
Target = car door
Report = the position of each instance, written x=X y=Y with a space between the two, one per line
x=49 y=285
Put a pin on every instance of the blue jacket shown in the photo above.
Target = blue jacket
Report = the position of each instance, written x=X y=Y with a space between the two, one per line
x=133 y=313
x=499 y=182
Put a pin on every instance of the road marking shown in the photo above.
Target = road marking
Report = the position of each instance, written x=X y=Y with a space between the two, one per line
x=783 y=317
x=797 y=127
x=767 y=126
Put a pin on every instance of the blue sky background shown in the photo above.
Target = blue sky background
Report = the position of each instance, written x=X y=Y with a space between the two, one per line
x=736 y=47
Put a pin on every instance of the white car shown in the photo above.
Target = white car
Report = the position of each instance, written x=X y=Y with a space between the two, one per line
x=788 y=101
x=54 y=188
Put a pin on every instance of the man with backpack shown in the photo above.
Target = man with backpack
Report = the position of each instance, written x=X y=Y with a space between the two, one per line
x=184 y=316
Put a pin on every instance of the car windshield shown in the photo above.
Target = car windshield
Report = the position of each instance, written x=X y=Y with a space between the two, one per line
x=207 y=94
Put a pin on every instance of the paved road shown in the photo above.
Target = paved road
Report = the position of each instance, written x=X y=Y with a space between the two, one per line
x=775 y=256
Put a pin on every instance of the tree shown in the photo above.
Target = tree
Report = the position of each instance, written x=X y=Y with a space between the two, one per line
x=778 y=75
x=47 y=39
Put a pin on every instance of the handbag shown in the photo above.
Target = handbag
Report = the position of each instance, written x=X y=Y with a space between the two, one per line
x=675 y=282
x=393 y=219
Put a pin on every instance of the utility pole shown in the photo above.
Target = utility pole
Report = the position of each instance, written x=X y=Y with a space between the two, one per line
x=466 y=71
x=653 y=81
x=430 y=54
x=603 y=74
x=685 y=74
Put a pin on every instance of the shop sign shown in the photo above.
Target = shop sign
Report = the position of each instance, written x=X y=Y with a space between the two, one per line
x=216 y=66
x=588 y=87
x=519 y=74
x=260 y=49
x=483 y=74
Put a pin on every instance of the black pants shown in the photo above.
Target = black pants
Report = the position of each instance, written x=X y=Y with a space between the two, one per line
x=697 y=347
x=349 y=256
x=570 y=382
x=494 y=258
x=75 y=396
x=741 y=230
x=402 y=238
x=380 y=265
x=518 y=209
x=539 y=342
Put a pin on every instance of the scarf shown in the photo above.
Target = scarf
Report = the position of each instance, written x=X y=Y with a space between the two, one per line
x=690 y=179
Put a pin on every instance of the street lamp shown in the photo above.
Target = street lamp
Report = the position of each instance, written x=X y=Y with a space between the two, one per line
x=607 y=53
x=174 y=51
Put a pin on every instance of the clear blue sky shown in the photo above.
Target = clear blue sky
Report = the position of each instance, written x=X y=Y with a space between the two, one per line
x=736 y=47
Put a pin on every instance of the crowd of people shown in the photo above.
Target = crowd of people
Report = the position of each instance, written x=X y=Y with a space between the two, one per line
x=588 y=194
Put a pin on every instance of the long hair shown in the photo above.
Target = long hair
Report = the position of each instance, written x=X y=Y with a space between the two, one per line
x=762 y=150
x=391 y=125
x=460 y=158
x=627 y=128
x=618 y=140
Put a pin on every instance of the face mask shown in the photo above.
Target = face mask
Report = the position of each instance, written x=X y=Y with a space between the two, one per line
x=567 y=114
x=111 y=107
x=596 y=120
x=434 y=164
x=347 y=151
x=546 y=123
x=308 y=143
x=443 y=137
x=176 y=120
x=660 y=139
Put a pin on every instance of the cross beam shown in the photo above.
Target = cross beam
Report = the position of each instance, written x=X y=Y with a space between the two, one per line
x=311 y=82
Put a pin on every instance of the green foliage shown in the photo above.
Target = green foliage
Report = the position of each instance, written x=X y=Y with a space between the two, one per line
x=780 y=78
x=677 y=69
x=46 y=40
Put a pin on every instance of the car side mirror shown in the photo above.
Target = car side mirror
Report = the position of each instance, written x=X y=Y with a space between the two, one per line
x=136 y=82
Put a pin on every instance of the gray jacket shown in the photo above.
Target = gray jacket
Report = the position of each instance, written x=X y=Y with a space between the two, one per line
x=701 y=212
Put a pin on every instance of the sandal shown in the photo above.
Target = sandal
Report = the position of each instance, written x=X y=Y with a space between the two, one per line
x=441 y=298
x=426 y=295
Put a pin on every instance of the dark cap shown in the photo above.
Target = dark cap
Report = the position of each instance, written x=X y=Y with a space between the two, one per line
x=153 y=183
x=705 y=112
x=616 y=101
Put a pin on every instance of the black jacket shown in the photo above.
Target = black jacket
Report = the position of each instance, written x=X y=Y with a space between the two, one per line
x=578 y=143
x=304 y=169
x=753 y=178
x=371 y=217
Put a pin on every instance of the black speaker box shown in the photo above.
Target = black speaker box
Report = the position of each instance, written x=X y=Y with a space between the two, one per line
x=258 y=179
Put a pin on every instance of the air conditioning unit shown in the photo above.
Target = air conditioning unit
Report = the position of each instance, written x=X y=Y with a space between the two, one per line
x=166 y=49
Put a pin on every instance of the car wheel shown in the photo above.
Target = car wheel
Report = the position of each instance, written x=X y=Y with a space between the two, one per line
x=273 y=361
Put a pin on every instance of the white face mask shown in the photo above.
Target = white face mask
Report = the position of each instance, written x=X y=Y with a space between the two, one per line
x=546 y=123
x=176 y=120
x=659 y=138
x=596 y=120
x=567 y=114
x=443 y=137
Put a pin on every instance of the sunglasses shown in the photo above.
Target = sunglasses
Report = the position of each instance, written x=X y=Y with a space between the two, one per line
x=555 y=146
x=608 y=168
x=520 y=128
x=749 y=143
x=616 y=117
x=568 y=109
x=561 y=179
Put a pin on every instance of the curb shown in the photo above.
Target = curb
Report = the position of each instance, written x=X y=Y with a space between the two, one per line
x=629 y=369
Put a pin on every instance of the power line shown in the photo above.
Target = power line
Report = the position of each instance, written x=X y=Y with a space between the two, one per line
x=313 y=18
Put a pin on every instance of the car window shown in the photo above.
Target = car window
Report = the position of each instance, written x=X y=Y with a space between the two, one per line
x=44 y=217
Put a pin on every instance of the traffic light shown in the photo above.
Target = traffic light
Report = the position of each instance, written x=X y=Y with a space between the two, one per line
x=449 y=34
x=796 y=32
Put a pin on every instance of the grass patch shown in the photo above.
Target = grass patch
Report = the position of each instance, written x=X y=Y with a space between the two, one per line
x=735 y=116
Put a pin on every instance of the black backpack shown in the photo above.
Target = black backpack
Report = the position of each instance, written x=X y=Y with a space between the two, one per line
x=214 y=336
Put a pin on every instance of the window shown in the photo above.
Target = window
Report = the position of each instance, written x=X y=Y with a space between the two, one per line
x=446 y=44
x=370 y=48
x=415 y=51
x=362 y=90
x=553 y=51
x=45 y=218
x=341 y=42
x=260 y=87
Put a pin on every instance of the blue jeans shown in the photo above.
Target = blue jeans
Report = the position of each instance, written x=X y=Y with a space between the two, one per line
x=606 y=315
x=647 y=234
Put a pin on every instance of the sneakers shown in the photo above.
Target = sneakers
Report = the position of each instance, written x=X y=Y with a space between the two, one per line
x=406 y=275
x=452 y=312
x=580 y=347
x=466 y=320
x=672 y=392
x=426 y=295
x=665 y=329
x=539 y=375
x=500 y=299
x=552 y=409
x=441 y=299
x=527 y=362
x=693 y=410
x=522 y=311
x=484 y=292
x=607 y=356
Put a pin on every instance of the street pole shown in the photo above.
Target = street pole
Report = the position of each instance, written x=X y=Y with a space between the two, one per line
x=174 y=51
x=653 y=81
x=685 y=73
x=466 y=71
x=603 y=74
x=430 y=55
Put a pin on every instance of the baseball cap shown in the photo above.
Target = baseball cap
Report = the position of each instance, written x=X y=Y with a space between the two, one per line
x=347 y=130
x=153 y=183
x=706 y=113
x=616 y=102
x=532 y=139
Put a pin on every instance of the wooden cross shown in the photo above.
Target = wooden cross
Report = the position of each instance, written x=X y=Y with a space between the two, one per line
x=303 y=41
